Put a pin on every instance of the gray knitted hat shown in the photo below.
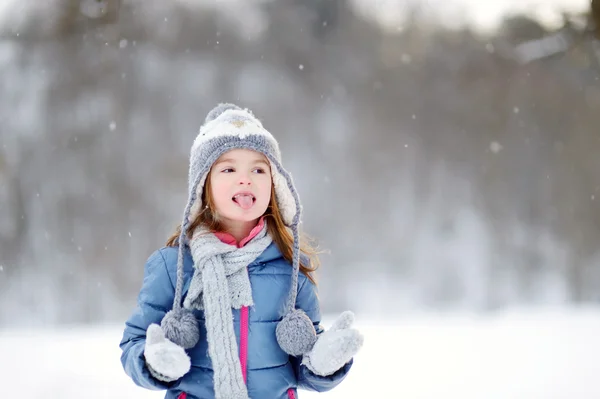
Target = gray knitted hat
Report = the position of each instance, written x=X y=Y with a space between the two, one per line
x=229 y=127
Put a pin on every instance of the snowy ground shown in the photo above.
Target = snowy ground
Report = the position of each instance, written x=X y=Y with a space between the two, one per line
x=548 y=354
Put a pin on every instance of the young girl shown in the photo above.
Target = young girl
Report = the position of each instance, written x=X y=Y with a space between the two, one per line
x=233 y=291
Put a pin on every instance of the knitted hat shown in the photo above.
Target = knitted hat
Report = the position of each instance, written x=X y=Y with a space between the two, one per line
x=225 y=128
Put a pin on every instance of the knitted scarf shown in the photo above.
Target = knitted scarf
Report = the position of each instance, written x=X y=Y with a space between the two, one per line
x=220 y=283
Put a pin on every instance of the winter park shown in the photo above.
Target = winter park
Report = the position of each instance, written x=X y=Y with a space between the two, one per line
x=300 y=199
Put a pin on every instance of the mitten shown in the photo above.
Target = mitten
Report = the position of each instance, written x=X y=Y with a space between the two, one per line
x=334 y=347
x=166 y=360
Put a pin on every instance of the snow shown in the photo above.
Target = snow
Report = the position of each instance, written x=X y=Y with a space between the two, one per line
x=521 y=354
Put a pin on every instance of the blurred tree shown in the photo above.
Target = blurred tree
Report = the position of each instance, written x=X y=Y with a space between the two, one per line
x=427 y=158
x=595 y=16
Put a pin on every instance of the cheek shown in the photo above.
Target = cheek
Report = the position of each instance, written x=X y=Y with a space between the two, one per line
x=265 y=192
x=219 y=192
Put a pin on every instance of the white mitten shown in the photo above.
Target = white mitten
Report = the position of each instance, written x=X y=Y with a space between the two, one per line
x=334 y=347
x=165 y=360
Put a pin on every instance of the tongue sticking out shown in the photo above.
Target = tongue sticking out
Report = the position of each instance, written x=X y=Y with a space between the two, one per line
x=244 y=201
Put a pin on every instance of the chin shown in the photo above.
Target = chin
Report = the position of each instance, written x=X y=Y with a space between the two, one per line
x=244 y=217
x=249 y=218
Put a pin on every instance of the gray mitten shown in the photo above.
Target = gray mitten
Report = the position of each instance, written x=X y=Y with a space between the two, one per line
x=165 y=360
x=334 y=347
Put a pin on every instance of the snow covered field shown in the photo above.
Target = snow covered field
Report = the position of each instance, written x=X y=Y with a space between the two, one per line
x=536 y=354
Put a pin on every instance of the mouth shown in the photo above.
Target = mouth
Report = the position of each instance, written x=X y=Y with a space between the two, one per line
x=244 y=200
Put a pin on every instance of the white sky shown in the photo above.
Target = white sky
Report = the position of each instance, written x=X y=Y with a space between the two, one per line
x=481 y=14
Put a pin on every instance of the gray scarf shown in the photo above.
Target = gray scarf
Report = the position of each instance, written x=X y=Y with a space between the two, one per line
x=220 y=283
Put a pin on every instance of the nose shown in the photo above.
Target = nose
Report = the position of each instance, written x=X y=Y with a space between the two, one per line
x=244 y=180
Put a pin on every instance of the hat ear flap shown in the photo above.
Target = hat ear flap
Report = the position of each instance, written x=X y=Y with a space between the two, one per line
x=197 y=204
x=284 y=196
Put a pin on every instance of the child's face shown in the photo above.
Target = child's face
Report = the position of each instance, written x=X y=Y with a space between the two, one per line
x=241 y=185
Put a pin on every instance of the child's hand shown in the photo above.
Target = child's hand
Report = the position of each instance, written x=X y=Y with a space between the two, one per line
x=166 y=360
x=334 y=347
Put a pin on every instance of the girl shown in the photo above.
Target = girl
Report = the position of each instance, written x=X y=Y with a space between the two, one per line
x=237 y=318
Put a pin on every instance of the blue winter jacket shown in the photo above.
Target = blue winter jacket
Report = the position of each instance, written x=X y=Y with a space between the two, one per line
x=272 y=373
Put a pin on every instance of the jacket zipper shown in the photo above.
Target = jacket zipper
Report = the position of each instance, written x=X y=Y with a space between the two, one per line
x=244 y=341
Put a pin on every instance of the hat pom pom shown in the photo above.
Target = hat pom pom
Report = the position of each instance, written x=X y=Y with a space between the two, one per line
x=218 y=110
x=181 y=327
x=296 y=334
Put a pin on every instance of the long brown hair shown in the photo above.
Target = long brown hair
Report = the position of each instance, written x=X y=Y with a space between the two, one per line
x=277 y=230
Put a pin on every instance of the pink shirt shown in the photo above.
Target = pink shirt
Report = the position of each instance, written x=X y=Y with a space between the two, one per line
x=229 y=239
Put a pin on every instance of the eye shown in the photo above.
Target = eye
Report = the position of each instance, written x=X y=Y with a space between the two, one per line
x=259 y=170
x=228 y=170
